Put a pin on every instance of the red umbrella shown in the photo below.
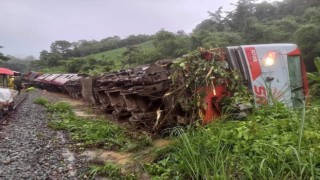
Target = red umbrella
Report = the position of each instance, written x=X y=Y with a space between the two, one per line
x=6 y=71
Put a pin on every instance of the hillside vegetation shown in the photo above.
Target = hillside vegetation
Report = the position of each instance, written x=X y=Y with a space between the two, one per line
x=249 y=23
x=117 y=53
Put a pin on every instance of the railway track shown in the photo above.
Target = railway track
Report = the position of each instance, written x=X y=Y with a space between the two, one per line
x=5 y=117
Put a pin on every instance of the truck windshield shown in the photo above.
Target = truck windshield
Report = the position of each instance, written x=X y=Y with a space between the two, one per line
x=296 y=83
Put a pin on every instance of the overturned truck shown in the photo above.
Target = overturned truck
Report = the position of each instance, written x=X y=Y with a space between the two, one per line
x=201 y=85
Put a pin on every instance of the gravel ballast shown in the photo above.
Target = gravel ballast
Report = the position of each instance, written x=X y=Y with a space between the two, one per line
x=29 y=149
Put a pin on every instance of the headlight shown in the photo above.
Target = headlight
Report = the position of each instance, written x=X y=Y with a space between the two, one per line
x=269 y=59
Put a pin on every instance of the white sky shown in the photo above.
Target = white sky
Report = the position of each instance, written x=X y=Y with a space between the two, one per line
x=29 y=26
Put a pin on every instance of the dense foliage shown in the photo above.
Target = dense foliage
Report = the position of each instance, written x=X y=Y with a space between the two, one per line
x=187 y=97
x=3 y=57
x=18 y=64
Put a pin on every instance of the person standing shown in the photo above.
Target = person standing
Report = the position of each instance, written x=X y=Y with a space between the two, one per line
x=18 y=84
x=11 y=84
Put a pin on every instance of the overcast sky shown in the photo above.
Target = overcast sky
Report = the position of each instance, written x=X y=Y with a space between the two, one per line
x=29 y=26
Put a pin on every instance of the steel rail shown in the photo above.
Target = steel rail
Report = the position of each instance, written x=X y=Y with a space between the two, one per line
x=4 y=118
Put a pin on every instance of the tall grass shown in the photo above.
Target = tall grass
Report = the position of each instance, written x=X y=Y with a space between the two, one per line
x=193 y=159
x=272 y=143
x=302 y=124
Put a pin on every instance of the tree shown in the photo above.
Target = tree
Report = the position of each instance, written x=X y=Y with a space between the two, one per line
x=222 y=39
x=181 y=33
x=197 y=38
x=131 y=56
x=237 y=18
x=218 y=20
x=308 y=39
x=49 y=59
x=170 y=45
x=207 y=25
x=296 y=7
x=253 y=31
x=165 y=44
x=61 y=48
x=265 y=11
x=74 y=65
x=312 y=15
x=110 y=43
x=278 y=31
x=3 y=57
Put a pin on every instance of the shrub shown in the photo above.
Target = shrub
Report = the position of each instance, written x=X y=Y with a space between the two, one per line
x=59 y=107
x=41 y=101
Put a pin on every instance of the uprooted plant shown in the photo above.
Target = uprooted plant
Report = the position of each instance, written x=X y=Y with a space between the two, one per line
x=194 y=78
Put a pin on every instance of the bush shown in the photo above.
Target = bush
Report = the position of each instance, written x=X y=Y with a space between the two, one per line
x=59 y=107
x=41 y=101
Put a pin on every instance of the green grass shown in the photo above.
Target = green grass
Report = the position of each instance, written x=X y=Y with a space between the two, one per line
x=56 y=69
x=108 y=169
x=272 y=143
x=116 y=54
x=90 y=132
x=111 y=171
x=93 y=132
x=41 y=101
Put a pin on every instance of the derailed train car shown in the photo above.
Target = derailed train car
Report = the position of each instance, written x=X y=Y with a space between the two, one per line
x=135 y=93
x=141 y=94
x=67 y=83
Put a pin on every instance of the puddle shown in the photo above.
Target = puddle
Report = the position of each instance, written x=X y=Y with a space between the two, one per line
x=73 y=102
x=162 y=142
x=120 y=158
x=83 y=114
x=108 y=156
x=68 y=156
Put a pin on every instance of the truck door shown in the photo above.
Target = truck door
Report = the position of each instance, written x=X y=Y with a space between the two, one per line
x=296 y=82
